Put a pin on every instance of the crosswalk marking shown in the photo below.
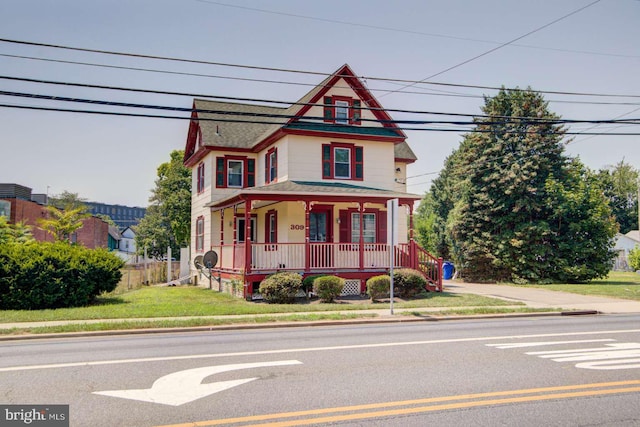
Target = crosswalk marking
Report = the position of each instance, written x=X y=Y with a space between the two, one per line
x=608 y=357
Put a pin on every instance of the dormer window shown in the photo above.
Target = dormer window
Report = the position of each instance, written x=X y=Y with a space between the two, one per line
x=342 y=110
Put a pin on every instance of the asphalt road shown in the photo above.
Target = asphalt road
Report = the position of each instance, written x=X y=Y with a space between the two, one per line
x=564 y=371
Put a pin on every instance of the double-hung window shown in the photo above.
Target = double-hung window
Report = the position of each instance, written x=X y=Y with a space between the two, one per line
x=271 y=166
x=200 y=234
x=342 y=110
x=235 y=172
x=342 y=161
x=368 y=227
x=200 y=178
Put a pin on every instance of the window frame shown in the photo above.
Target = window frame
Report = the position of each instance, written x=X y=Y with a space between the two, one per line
x=200 y=178
x=229 y=175
x=356 y=161
x=222 y=171
x=200 y=234
x=355 y=218
x=253 y=228
x=353 y=109
x=271 y=166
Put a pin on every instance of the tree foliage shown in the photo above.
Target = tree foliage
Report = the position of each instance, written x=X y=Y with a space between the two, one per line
x=61 y=224
x=620 y=184
x=168 y=218
x=511 y=206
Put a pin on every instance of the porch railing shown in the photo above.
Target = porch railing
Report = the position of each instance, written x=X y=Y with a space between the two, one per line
x=330 y=256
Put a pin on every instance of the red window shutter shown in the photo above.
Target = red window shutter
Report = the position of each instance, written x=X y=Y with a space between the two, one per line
x=382 y=227
x=345 y=226
x=358 y=163
x=250 y=168
x=327 y=163
x=266 y=168
x=221 y=176
x=356 y=112
x=328 y=109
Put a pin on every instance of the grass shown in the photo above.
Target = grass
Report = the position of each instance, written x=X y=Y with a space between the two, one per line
x=192 y=301
x=618 y=284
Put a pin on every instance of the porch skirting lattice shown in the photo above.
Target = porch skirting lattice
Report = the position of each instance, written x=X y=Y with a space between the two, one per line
x=351 y=287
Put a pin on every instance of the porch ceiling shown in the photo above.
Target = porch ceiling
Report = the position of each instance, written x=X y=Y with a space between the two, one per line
x=313 y=191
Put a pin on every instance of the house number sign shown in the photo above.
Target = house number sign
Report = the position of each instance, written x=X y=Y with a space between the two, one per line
x=297 y=227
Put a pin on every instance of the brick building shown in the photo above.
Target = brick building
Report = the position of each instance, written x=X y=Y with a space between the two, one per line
x=93 y=234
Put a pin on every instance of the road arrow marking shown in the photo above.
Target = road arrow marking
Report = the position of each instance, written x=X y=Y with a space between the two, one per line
x=186 y=386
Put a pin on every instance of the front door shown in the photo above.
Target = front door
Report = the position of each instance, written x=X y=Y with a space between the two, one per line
x=320 y=236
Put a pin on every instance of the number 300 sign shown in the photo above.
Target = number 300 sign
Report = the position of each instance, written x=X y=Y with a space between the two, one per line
x=297 y=227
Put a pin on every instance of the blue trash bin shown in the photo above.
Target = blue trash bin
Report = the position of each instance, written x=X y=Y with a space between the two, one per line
x=447 y=270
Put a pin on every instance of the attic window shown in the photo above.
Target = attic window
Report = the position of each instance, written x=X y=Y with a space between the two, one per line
x=342 y=110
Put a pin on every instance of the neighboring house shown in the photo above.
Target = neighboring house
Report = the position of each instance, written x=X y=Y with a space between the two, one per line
x=124 y=244
x=624 y=243
x=303 y=188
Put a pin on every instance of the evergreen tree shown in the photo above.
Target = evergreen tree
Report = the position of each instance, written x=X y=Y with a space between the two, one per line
x=514 y=185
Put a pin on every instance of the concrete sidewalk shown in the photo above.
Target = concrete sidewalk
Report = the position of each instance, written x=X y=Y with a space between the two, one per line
x=542 y=298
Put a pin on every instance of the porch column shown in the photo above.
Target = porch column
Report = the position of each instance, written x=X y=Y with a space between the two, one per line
x=361 y=212
x=307 y=231
x=221 y=237
x=235 y=235
x=247 y=235
x=410 y=205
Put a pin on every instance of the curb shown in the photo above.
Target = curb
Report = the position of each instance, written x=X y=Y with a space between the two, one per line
x=400 y=318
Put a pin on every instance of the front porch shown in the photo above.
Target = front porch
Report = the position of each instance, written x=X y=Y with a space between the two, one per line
x=314 y=228
x=254 y=261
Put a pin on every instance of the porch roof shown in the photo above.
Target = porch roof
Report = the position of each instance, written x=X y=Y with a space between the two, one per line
x=313 y=191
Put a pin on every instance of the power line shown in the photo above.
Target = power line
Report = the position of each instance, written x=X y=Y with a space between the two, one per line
x=412 y=32
x=534 y=121
x=503 y=44
x=255 y=100
x=302 y=124
x=262 y=68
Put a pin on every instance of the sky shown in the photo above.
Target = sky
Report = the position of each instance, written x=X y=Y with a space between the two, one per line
x=572 y=46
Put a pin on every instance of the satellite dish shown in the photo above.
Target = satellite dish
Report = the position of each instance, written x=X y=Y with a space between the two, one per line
x=210 y=259
x=198 y=262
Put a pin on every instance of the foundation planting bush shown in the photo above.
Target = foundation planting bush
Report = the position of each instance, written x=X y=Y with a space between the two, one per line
x=378 y=287
x=281 y=288
x=408 y=282
x=328 y=288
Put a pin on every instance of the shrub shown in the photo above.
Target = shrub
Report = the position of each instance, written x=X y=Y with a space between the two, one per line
x=407 y=282
x=281 y=288
x=307 y=282
x=378 y=287
x=634 y=258
x=43 y=275
x=328 y=287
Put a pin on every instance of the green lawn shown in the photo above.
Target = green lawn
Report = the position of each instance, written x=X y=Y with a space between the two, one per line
x=618 y=285
x=192 y=301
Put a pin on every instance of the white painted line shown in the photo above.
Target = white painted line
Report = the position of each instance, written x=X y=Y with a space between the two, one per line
x=541 y=343
x=608 y=347
x=607 y=365
x=308 y=350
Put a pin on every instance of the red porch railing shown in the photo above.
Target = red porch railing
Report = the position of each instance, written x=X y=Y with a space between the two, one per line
x=267 y=257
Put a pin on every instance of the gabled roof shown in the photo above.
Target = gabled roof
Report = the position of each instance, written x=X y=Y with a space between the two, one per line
x=248 y=127
x=634 y=234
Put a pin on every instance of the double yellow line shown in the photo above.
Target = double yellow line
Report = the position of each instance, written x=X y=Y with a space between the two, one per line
x=417 y=406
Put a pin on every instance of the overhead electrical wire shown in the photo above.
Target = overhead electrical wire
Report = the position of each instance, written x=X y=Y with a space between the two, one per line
x=284 y=70
x=413 y=32
x=534 y=121
x=453 y=67
x=267 y=101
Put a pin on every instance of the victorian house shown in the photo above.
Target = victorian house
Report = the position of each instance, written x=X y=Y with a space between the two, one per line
x=301 y=188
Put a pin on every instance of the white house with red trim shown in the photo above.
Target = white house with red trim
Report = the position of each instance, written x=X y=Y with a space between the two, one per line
x=302 y=188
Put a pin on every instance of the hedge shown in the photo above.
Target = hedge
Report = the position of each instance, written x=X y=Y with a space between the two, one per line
x=41 y=275
x=328 y=288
